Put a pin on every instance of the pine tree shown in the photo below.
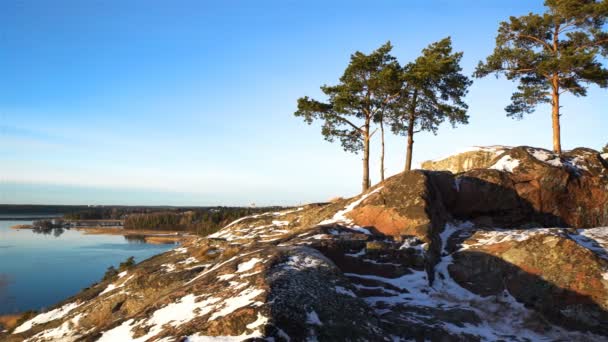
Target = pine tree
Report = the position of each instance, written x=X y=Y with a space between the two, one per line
x=370 y=83
x=550 y=54
x=433 y=91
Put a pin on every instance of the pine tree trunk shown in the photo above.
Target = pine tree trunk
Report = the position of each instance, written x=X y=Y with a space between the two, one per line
x=410 y=143
x=382 y=151
x=557 y=145
x=365 y=184
x=410 y=133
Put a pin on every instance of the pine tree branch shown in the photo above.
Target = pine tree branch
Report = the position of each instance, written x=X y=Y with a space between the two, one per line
x=346 y=121
x=536 y=39
x=596 y=43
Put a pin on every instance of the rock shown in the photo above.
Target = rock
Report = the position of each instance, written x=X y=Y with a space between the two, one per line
x=545 y=269
x=538 y=187
x=477 y=158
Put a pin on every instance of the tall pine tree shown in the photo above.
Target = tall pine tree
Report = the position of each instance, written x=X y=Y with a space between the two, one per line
x=433 y=91
x=367 y=86
x=550 y=54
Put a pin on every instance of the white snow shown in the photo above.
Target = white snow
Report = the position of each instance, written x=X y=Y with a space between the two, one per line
x=496 y=149
x=298 y=262
x=231 y=304
x=63 y=332
x=169 y=268
x=280 y=223
x=242 y=337
x=260 y=320
x=506 y=163
x=313 y=318
x=226 y=276
x=181 y=250
x=604 y=156
x=340 y=216
x=174 y=314
x=344 y=291
x=113 y=286
x=594 y=239
x=247 y=265
x=47 y=317
x=503 y=235
x=576 y=163
x=190 y=260
x=414 y=243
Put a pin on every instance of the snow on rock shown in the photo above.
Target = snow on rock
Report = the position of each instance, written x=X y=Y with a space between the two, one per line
x=168 y=268
x=47 y=317
x=594 y=239
x=506 y=163
x=345 y=291
x=247 y=265
x=576 y=163
x=260 y=320
x=340 y=216
x=313 y=318
x=495 y=149
x=190 y=260
x=181 y=250
x=64 y=332
x=497 y=236
x=174 y=314
x=242 y=337
x=113 y=286
x=244 y=298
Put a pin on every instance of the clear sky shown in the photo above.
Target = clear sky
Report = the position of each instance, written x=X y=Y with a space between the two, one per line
x=191 y=102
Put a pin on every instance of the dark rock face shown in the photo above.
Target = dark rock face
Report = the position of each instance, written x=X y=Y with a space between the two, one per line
x=395 y=263
x=546 y=269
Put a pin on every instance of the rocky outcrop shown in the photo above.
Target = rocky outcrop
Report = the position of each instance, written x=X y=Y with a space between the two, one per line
x=477 y=157
x=529 y=186
x=425 y=255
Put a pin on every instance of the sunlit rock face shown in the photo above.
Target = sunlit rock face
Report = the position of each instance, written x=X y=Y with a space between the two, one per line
x=425 y=255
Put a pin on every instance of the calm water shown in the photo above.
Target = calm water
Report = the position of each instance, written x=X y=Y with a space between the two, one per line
x=38 y=270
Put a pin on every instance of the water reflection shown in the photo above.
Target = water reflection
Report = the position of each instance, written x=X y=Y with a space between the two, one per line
x=63 y=260
x=56 y=232
x=135 y=238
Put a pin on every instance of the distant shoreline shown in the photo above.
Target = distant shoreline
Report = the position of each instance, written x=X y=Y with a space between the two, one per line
x=147 y=235
x=28 y=218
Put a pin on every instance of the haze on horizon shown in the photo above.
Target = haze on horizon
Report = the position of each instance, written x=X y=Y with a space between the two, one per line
x=191 y=102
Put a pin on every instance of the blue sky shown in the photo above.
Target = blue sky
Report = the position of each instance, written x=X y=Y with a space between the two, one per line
x=191 y=102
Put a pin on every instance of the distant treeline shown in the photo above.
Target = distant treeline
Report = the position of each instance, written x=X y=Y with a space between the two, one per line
x=199 y=221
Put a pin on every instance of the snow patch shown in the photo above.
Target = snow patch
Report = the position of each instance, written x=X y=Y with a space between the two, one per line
x=47 y=317
x=247 y=265
x=344 y=291
x=243 y=299
x=506 y=163
x=313 y=318
x=340 y=216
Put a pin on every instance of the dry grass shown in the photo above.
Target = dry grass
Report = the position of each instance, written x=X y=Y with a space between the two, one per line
x=22 y=226
x=9 y=321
